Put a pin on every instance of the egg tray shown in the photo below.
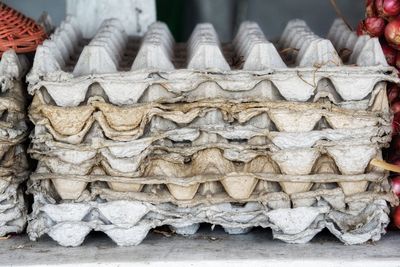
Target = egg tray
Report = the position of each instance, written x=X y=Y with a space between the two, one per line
x=13 y=126
x=189 y=139
x=127 y=71
x=217 y=129
x=133 y=134
x=13 y=209
x=13 y=160
x=203 y=52
x=201 y=176
x=134 y=160
x=353 y=220
x=205 y=189
x=12 y=69
x=126 y=123
x=14 y=167
x=350 y=150
x=122 y=88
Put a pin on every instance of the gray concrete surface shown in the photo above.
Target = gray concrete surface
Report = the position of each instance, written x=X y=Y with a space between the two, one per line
x=206 y=248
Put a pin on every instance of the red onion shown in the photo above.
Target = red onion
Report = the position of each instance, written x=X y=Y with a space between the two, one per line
x=396 y=124
x=396 y=217
x=387 y=8
x=373 y=26
x=392 y=158
x=390 y=54
x=398 y=60
x=370 y=8
x=393 y=93
x=361 y=28
x=392 y=33
x=396 y=145
x=396 y=185
x=395 y=107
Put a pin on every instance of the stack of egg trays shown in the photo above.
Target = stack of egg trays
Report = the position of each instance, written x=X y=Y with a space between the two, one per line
x=13 y=133
x=134 y=135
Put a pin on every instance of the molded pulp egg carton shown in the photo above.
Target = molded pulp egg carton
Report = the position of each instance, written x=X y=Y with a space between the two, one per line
x=13 y=132
x=133 y=134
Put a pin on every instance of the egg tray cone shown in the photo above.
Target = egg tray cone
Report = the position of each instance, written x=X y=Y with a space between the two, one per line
x=133 y=134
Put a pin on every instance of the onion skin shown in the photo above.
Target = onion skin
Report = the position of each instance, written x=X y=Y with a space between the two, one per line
x=370 y=10
x=361 y=29
x=396 y=146
x=373 y=26
x=392 y=158
x=395 y=107
x=392 y=96
x=390 y=54
x=392 y=33
x=393 y=93
x=396 y=185
x=397 y=61
x=396 y=217
x=396 y=124
x=387 y=8
x=395 y=160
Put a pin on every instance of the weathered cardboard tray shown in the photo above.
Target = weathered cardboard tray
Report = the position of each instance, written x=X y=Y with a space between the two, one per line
x=13 y=132
x=132 y=122
x=133 y=136
x=13 y=210
x=353 y=221
x=69 y=68
x=207 y=175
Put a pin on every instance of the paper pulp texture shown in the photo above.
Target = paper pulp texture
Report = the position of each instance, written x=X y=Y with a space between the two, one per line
x=131 y=135
x=13 y=133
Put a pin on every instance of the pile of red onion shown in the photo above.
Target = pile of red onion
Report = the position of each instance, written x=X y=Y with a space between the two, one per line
x=383 y=21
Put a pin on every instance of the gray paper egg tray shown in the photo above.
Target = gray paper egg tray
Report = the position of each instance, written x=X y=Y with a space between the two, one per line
x=353 y=220
x=69 y=69
x=186 y=130
x=240 y=179
x=13 y=132
x=181 y=151
x=208 y=131
x=130 y=122
x=111 y=177
x=13 y=210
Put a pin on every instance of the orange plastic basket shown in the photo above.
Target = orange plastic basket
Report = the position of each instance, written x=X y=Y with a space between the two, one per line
x=18 y=32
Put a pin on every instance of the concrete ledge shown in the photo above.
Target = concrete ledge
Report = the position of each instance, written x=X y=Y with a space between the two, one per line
x=206 y=248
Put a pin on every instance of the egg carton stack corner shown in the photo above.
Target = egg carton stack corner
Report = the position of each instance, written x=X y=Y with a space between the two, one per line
x=13 y=133
x=134 y=134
